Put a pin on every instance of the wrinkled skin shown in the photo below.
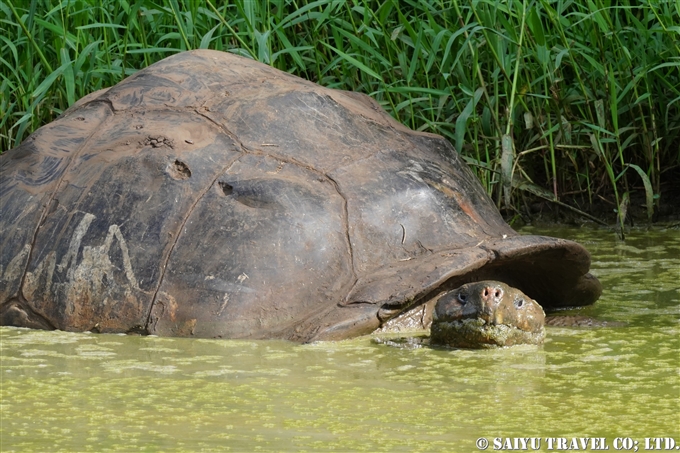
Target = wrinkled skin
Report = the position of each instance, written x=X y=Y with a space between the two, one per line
x=487 y=314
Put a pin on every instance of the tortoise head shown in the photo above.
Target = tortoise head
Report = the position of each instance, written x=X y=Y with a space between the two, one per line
x=487 y=314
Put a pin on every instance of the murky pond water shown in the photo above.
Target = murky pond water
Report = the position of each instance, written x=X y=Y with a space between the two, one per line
x=87 y=392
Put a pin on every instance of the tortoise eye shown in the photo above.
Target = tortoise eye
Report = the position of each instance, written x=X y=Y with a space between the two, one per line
x=519 y=303
x=462 y=297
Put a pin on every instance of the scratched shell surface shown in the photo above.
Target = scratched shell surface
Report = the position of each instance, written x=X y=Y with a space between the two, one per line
x=214 y=196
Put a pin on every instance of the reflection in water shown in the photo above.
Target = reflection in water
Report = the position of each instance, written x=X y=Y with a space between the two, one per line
x=86 y=392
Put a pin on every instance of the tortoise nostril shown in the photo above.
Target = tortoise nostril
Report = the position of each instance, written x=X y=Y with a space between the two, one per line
x=498 y=293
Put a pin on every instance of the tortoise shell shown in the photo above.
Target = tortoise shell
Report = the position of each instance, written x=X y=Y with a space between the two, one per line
x=214 y=196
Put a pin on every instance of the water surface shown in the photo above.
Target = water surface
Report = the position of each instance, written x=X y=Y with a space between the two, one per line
x=86 y=392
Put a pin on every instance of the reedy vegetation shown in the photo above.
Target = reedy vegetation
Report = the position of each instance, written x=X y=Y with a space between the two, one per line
x=559 y=98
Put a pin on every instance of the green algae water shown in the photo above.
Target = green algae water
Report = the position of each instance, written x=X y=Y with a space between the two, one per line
x=87 y=392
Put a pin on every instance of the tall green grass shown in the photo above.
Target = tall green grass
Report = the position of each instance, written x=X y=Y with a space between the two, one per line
x=572 y=101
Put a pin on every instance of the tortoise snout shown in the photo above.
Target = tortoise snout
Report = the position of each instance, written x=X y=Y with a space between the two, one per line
x=491 y=294
x=473 y=300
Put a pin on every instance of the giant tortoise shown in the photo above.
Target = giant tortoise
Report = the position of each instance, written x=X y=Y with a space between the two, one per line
x=210 y=195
